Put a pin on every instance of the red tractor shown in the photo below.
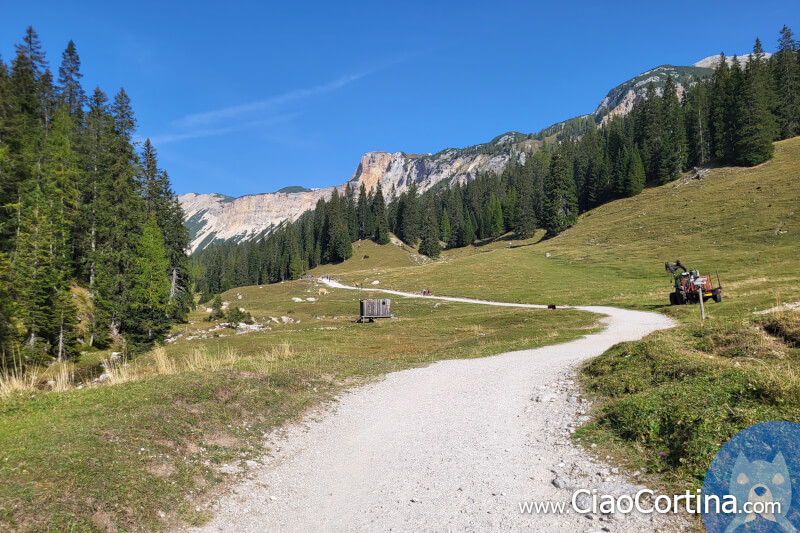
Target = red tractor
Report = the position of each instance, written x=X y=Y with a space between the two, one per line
x=690 y=286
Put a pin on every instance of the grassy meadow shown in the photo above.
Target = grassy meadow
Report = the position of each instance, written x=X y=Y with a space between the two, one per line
x=145 y=449
x=668 y=402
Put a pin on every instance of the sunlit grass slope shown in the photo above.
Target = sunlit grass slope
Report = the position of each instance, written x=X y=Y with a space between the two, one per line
x=744 y=222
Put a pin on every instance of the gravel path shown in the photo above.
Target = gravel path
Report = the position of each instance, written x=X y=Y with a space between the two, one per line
x=454 y=446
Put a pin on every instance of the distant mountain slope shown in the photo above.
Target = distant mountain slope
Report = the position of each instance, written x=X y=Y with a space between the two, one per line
x=621 y=99
x=215 y=217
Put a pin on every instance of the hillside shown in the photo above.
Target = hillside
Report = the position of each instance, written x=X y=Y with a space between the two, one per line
x=304 y=348
x=741 y=221
x=211 y=218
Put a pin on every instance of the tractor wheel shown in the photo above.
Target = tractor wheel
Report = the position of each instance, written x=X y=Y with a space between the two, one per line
x=680 y=298
x=672 y=299
x=717 y=296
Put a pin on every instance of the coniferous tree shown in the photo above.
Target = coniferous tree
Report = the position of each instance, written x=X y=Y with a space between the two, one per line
x=429 y=245
x=524 y=215
x=351 y=215
x=509 y=209
x=338 y=246
x=445 y=229
x=70 y=92
x=719 y=105
x=469 y=230
x=755 y=130
x=408 y=216
x=787 y=81
x=696 y=116
x=636 y=178
x=33 y=272
x=146 y=315
x=496 y=221
x=652 y=132
x=366 y=222
x=381 y=235
x=561 y=203
x=673 y=155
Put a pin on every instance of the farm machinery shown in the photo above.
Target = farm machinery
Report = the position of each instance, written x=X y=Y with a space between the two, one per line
x=690 y=286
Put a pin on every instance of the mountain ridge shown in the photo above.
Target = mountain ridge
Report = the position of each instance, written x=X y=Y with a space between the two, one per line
x=215 y=217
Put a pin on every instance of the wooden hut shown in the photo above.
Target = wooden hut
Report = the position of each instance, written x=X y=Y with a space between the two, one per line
x=377 y=308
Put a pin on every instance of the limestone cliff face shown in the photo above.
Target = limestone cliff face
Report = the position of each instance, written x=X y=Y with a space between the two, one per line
x=621 y=99
x=215 y=217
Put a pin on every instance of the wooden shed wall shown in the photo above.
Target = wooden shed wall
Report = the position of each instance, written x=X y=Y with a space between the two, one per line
x=376 y=308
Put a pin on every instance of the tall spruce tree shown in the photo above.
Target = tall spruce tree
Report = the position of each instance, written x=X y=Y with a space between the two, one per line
x=720 y=102
x=445 y=230
x=70 y=92
x=408 y=217
x=673 y=156
x=696 y=117
x=429 y=245
x=336 y=239
x=33 y=273
x=146 y=315
x=561 y=202
x=381 y=234
x=787 y=81
x=755 y=130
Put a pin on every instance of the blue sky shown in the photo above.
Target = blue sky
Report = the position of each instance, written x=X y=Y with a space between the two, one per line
x=249 y=97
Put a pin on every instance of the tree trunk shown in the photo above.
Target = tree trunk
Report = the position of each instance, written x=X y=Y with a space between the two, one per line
x=173 y=284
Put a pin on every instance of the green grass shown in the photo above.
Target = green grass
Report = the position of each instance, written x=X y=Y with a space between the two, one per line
x=118 y=456
x=75 y=459
x=671 y=400
x=743 y=222
x=687 y=390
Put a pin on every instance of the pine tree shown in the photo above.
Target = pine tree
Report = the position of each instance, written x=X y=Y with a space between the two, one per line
x=351 y=215
x=636 y=178
x=296 y=266
x=61 y=169
x=445 y=230
x=509 y=209
x=496 y=222
x=469 y=230
x=652 y=132
x=429 y=245
x=719 y=105
x=696 y=116
x=755 y=132
x=561 y=203
x=673 y=155
x=787 y=81
x=366 y=222
x=337 y=244
x=6 y=333
x=147 y=305
x=381 y=235
x=409 y=215
x=70 y=92
x=120 y=217
x=63 y=318
x=33 y=273
x=525 y=216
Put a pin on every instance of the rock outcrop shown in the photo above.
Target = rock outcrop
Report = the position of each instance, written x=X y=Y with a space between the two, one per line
x=215 y=217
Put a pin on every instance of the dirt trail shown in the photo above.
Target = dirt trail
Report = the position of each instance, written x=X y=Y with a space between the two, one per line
x=454 y=446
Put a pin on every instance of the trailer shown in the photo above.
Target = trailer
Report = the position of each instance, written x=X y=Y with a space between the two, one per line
x=375 y=308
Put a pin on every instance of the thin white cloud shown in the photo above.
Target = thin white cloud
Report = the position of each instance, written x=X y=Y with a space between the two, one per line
x=211 y=132
x=226 y=113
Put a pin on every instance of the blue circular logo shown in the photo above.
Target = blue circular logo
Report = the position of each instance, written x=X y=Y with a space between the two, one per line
x=753 y=483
